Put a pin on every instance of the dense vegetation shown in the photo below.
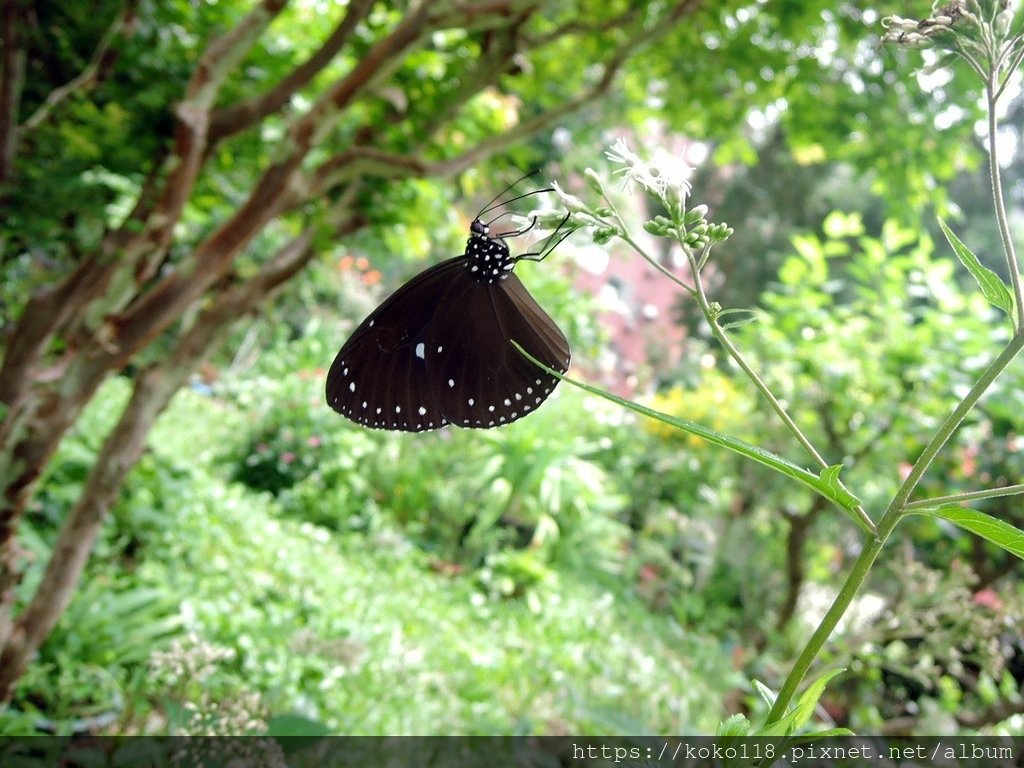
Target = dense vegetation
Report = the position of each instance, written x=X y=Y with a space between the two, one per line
x=260 y=563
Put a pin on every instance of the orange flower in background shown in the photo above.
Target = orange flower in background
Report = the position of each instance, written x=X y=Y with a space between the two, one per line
x=362 y=264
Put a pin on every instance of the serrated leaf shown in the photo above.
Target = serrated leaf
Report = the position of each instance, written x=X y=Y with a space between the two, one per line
x=734 y=727
x=992 y=287
x=808 y=701
x=992 y=529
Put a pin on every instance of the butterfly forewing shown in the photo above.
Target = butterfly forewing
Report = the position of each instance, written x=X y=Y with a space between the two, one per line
x=481 y=379
x=379 y=378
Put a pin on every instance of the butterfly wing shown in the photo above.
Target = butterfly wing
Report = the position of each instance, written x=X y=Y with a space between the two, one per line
x=379 y=377
x=480 y=379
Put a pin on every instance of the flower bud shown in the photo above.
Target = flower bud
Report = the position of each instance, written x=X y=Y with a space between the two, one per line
x=594 y=180
x=572 y=203
x=1003 y=20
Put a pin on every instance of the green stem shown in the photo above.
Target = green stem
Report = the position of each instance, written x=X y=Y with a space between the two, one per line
x=828 y=623
x=624 y=234
x=899 y=502
x=959 y=498
x=899 y=506
x=999 y=205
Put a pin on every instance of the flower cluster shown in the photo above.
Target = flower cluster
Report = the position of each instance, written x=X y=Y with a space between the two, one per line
x=966 y=27
x=666 y=176
x=185 y=670
x=188 y=658
x=920 y=33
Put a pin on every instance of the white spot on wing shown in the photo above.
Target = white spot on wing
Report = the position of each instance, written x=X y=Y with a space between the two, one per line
x=420 y=350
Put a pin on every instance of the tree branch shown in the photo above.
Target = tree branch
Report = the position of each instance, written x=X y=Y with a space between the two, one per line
x=578 y=26
x=238 y=117
x=796 y=544
x=280 y=186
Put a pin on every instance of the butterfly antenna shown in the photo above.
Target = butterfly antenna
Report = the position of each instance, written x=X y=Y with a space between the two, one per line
x=492 y=203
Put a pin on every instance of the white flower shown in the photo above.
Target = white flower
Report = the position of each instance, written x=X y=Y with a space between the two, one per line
x=671 y=172
x=633 y=166
x=619 y=152
x=665 y=175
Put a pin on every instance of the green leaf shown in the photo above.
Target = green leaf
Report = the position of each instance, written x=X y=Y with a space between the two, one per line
x=838 y=225
x=828 y=733
x=767 y=694
x=801 y=713
x=747 y=316
x=808 y=701
x=827 y=488
x=992 y=286
x=992 y=529
x=734 y=727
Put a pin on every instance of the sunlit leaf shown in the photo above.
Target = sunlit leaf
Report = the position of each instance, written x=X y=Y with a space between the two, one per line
x=992 y=286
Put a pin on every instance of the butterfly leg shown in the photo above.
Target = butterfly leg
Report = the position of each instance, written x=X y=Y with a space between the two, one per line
x=544 y=252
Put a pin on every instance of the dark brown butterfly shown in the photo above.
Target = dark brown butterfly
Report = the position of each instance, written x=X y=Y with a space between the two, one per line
x=438 y=351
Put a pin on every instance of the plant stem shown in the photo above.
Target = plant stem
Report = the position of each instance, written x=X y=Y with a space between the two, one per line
x=899 y=502
x=623 y=232
x=999 y=205
x=828 y=623
x=957 y=498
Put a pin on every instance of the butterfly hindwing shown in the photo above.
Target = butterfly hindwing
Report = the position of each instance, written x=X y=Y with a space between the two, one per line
x=481 y=380
x=379 y=378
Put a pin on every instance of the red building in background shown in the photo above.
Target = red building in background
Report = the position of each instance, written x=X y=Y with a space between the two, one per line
x=637 y=309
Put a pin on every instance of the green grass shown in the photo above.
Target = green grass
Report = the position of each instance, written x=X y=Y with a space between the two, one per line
x=364 y=637
x=353 y=630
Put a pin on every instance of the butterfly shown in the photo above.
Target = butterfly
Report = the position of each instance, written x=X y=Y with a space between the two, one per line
x=439 y=350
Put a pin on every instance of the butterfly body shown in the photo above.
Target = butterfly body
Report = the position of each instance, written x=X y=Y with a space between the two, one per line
x=439 y=350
